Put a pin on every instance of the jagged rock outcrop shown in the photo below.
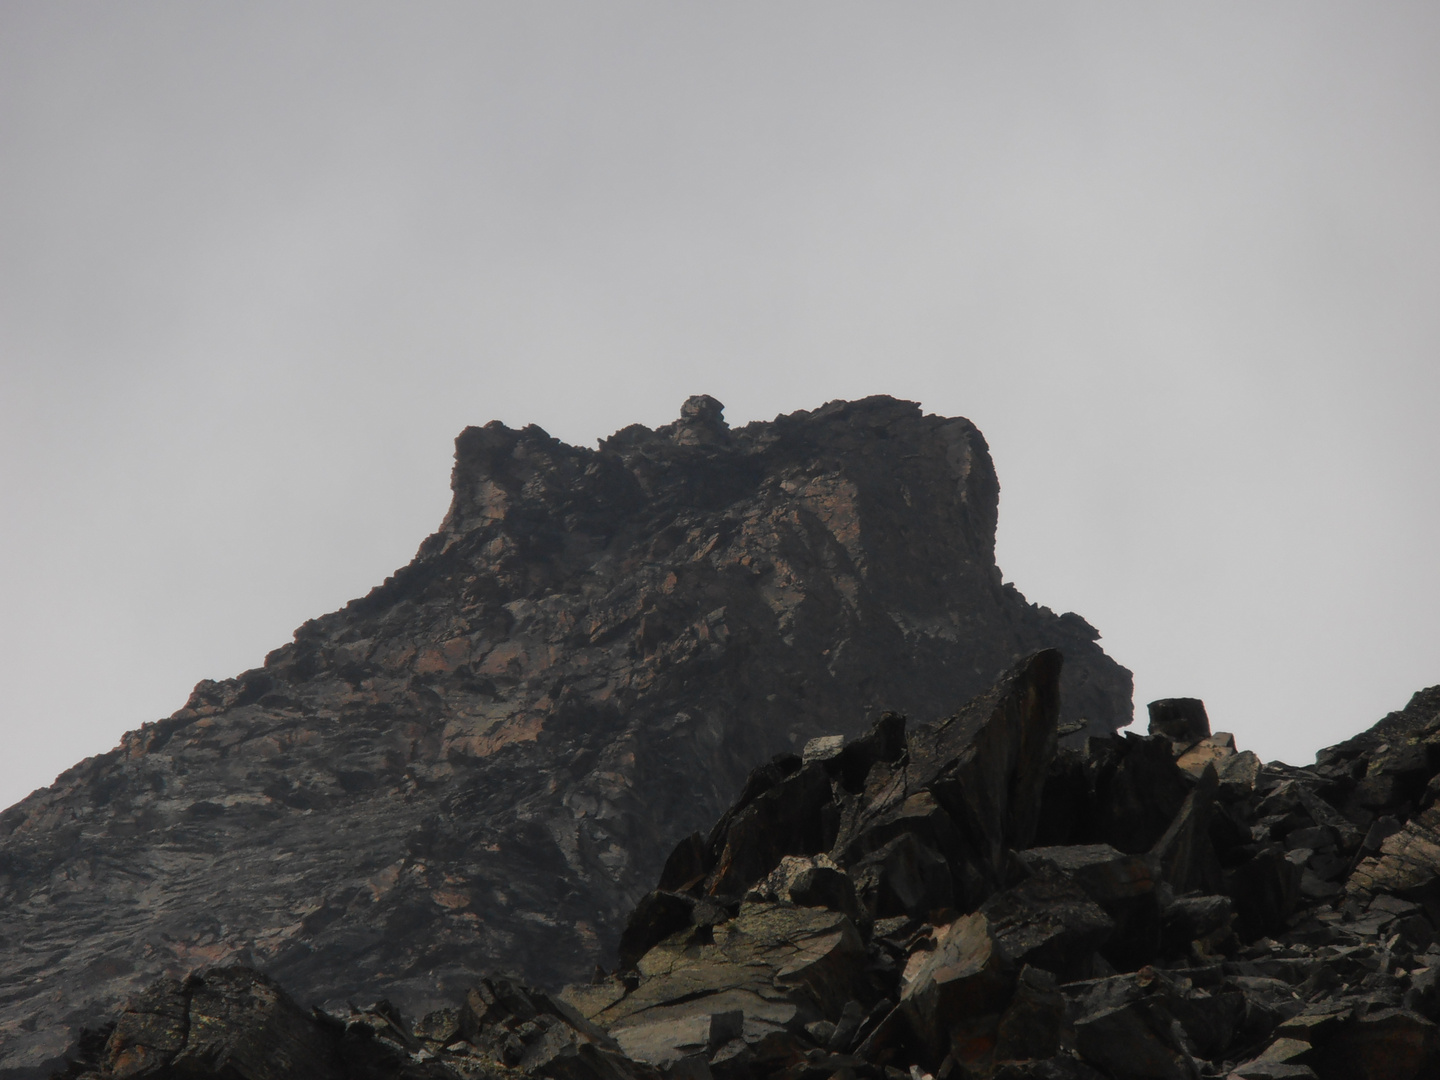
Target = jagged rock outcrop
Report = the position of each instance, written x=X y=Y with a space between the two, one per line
x=879 y=908
x=481 y=764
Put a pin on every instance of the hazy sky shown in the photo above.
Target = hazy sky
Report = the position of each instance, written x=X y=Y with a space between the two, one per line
x=260 y=263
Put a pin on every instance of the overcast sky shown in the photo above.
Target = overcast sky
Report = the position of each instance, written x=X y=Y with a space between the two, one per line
x=260 y=263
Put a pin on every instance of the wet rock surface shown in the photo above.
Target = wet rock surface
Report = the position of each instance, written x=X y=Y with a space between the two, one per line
x=900 y=919
x=480 y=765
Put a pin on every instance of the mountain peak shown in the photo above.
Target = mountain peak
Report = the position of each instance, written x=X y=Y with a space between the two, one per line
x=480 y=764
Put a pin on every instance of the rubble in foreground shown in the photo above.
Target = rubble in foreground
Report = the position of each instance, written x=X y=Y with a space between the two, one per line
x=958 y=900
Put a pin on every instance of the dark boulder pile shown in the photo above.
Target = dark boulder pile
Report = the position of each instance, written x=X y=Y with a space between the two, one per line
x=961 y=899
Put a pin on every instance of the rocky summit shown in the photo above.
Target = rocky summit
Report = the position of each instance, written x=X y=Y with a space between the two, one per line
x=957 y=900
x=480 y=766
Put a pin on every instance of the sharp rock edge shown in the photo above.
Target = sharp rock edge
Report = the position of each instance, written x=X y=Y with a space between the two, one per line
x=480 y=765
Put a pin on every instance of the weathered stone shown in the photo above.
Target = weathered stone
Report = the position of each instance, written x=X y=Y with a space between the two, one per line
x=1408 y=864
x=810 y=881
x=667 y=1042
x=586 y=1061
x=1197 y=925
x=1262 y=1069
x=686 y=867
x=1181 y=720
x=150 y=1030
x=955 y=1000
x=823 y=748
x=480 y=764
x=1237 y=771
x=884 y=742
x=1067 y=799
x=905 y=877
x=1238 y=774
x=1123 y=1041
x=230 y=1022
x=1049 y=922
x=1212 y=750
x=1388 y=1044
x=1107 y=875
x=1266 y=889
x=1154 y=1025
x=1033 y=1024
x=1184 y=855
x=781 y=966
x=1137 y=792
x=655 y=918
x=786 y=820
x=827 y=887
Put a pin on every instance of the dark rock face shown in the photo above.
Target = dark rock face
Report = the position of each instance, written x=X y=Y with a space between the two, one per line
x=480 y=764
x=1255 y=939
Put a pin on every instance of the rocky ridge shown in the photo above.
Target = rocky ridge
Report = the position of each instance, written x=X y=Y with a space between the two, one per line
x=958 y=900
x=480 y=764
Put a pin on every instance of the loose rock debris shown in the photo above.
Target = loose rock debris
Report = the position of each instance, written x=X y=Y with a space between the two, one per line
x=957 y=900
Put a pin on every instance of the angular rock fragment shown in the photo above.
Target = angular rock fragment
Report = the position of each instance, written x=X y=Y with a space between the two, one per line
x=150 y=1031
x=229 y=1022
x=1033 y=1024
x=1408 y=864
x=1109 y=876
x=1184 y=855
x=1393 y=1044
x=1181 y=720
x=1137 y=792
x=1049 y=922
x=1154 y=1025
x=786 y=820
x=1197 y=926
x=954 y=1001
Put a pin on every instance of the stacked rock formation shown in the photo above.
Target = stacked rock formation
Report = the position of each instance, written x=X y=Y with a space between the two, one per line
x=480 y=765
x=957 y=900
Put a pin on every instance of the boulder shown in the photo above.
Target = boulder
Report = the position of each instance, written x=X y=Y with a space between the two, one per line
x=658 y=915
x=1137 y=791
x=809 y=881
x=1049 y=922
x=666 y=1043
x=1184 y=855
x=229 y=1022
x=1386 y=1044
x=1181 y=720
x=785 y=820
x=986 y=765
x=1407 y=864
x=150 y=1030
x=1107 y=875
x=1033 y=1024
x=780 y=966
x=954 y=1001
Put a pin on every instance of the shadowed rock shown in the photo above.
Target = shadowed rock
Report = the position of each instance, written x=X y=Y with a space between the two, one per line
x=480 y=764
x=1080 y=961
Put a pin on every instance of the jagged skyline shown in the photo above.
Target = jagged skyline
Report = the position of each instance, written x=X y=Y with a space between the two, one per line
x=264 y=264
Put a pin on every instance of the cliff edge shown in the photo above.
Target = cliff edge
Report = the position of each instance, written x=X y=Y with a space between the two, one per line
x=480 y=764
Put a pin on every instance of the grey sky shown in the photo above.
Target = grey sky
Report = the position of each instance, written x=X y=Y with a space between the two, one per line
x=260 y=263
